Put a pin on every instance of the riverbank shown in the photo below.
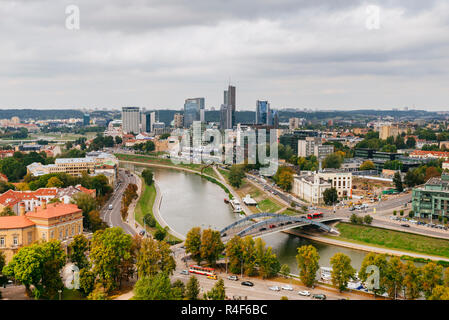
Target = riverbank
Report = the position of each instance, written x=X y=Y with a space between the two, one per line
x=336 y=241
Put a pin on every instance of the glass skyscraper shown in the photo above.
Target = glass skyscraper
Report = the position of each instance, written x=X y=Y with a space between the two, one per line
x=192 y=110
x=263 y=113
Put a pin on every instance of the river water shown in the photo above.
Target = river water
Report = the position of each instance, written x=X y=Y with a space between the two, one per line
x=190 y=201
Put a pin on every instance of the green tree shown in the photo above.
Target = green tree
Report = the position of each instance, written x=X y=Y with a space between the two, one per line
x=178 y=290
x=236 y=175
x=412 y=281
x=193 y=244
x=431 y=276
x=192 y=288
x=217 y=292
x=367 y=219
x=394 y=278
x=149 y=220
x=54 y=182
x=266 y=260
x=440 y=293
x=87 y=281
x=285 y=270
x=78 y=248
x=367 y=165
x=147 y=175
x=157 y=287
x=380 y=261
x=249 y=255
x=342 y=271
x=330 y=196
x=211 y=246
x=154 y=257
x=2 y=260
x=109 y=249
x=397 y=180
x=411 y=142
x=333 y=161
x=308 y=266
x=160 y=234
x=87 y=204
x=234 y=254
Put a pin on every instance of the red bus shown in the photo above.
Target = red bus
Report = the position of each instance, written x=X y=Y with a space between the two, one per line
x=315 y=215
x=201 y=270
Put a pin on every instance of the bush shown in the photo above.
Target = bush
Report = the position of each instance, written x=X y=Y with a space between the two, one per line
x=149 y=220
x=401 y=212
x=367 y=219
x=394 y=212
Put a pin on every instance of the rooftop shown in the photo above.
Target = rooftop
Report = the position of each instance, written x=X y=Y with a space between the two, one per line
x=15 y=222
x=54 y=210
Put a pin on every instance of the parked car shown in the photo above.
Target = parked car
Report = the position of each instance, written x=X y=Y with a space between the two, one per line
x=274 y=288
x=185 y=272
x=233 y=278
x=405 y=225
x=304 y=293
x=319 y=296
x=247 y=283
x=287 y=287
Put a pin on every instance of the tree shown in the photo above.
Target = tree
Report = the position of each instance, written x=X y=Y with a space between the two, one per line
x=87 y=204
x=54 y=182
x=440 y=293
x=342 y=271
x=78 y=248
x=2 y=260
x=431 y=277
x=285 y=270
x=307 y=259
x=96 y=223
x=234 y=253
x=160 y=234
x=147 y=175
x=431 y=172
x=7 y=211
x=156 y=287
x=87 y=281
x=330 y=196
x=285 y=180
x=193 y=244
x=154 y=257
x=411 y=142
x=266 y=260
x=217 y=292
x=397 y=180
x=249 y=255
x=178 y=290
x=394 y=278
x=412 y=281
x=333 y=161
x=236 y=175
x=118 y=140
x=367 y=219
x=192 y=288
x=379 y=261
x=149 y=220
x=211 y=246
x=109 y=249
x=367 y=165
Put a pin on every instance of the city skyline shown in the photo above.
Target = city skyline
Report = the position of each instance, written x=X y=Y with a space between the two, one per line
x=294 y=54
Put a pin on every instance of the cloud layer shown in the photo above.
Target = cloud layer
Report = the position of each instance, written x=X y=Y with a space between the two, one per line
x=155 y=54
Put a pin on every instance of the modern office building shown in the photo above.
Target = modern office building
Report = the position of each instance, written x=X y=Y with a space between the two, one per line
x=152 y=120
x=432 y=199
x=86 y=119
x=145 y=122
x=192 y=110
x=263 y=114
x=131 y=119
x=227 y=110
x=291 y=139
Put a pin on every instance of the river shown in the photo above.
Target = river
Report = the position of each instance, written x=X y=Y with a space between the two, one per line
x=189 y=201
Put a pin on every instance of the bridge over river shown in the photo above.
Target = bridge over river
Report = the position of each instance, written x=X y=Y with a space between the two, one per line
x=261 y=224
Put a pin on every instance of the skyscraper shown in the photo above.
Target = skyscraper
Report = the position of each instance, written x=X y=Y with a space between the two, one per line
x=145 y=122
x=86 y=119
x=263 y=114
x=131 y=119
x=227 y=110
x=152 y=120
x=192 y=110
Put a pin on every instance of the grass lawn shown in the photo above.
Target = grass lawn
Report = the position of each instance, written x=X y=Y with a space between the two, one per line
x=211 y=172
x=145 y=203
x=394 y=239
x=224 y=173
x=290 y=212
x=268 y=205
x=156 y=160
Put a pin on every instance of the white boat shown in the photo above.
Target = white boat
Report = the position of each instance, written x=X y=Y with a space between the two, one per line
x=235 y=205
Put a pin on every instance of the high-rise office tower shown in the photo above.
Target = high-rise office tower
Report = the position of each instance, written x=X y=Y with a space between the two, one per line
x=145 y=122
x=263 y=113
x=227 y=110
x=86 y=119
x=192 y=110
x=152 y=120
x=131 y=119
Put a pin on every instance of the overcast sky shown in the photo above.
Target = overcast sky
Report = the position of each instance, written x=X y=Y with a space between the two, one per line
x=156 y=53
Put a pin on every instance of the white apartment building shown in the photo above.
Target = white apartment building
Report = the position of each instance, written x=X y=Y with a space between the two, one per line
x=131 y=119
x=313 y=146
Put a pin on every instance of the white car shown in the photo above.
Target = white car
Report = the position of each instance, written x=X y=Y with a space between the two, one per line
x=274 y=288
x=287 y=287
x=304 y=293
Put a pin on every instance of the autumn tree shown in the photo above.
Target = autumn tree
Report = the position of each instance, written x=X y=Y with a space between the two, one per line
x=156 y=287
x=249 y=256
x=379 y=261
x=367 y=165
x=308 y=266
x=217 y=292
x=412 y=283
x=266 y=260
x=54 y=182
x=431 y=277
x=342 y=271
x=87 y=281
x=234 y=254
x=211 y=246
x=394 y=277
x=440 y=293
x=154 y=257
x=193 y=244
x=7 y=211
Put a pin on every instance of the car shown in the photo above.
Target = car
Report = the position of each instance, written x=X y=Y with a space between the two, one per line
x=274 y=288
x=289 y=222
x=304 y=293
x=405 y=225
x=212 y=276
x=185 y=272
x=287 y=287
x=352 y=209
x=233 y=278
x=272 y=226
x=110 y=207
x=247 y=283
x=262 y=229
x=319 y=296
x=142 y=233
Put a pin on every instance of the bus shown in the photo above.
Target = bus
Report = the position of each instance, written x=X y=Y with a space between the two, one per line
x=202 y=270
x=315 y=215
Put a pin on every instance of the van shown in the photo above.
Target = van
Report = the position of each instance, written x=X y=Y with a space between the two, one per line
x=110 y=207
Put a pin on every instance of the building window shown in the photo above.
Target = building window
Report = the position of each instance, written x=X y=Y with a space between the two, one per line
x=60 y=234
x=2 y=241
x=52 y=234
x=15 y=241
x=30 y=237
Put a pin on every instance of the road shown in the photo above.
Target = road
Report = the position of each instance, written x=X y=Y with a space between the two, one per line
x=113 y=217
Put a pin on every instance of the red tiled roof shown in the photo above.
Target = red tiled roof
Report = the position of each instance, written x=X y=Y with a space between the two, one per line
x=85 y=190
x=15 y=222
x=441 y=154
x=54 y=210
x=11 y=197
